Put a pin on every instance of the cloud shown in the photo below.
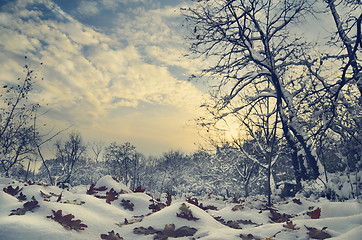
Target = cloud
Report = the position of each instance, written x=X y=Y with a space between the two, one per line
x=91 y=77
x=88 y=8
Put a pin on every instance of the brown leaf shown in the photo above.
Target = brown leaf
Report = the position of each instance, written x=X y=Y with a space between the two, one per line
x=233 y=224
x=66 y=221
x=237 y=207
x=208 y=207
x=127 y=204
x=317 y=233
x=126 y=222
x=277 y=217
x=111 y=236
x=248 y=237
x=102 y=188
x=59 y=197
x=156 y=206
x=145 y=231
x=246 y=222
x=115 y=179
x=12 y=191
x=185 y=232
x=91 y=190
x=193 y=201
x=186 y=213
x=28 y=206
x=290 y=225
x=236 y=200
x=297 y=201
x=315 y=214
x=21 y=197
x=139 y=189
x=111 y=195
x=169 y=231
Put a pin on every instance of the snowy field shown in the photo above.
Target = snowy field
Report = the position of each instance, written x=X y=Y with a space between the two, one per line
x=109 y=210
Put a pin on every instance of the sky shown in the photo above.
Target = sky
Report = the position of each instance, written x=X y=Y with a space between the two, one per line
x=113 y=70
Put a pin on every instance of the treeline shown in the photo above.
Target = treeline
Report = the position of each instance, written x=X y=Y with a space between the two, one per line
x=227 y=171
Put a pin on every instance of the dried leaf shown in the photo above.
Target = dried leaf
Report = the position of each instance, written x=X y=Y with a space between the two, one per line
x=28 y=206
x=128 y=222
x=145 y=231
x=139 y=189
x=59 y=197
x=21 y=197
x=233 y=224
x=12 y=191
x=111 y=236
x=74 y=202
x=193 y=201
x=290 y=225
x=168 y=231
x=115 y=179
x=127 y=204
x=315 y=214
x=237 y=208
x=111 y=195
x=156 y=206
x=186 y=213
x=248 y=237
x=317 y=234
x=297 y=201
x=91 y=190
x=208 y=207
x=66 y=221
x=185 y=231
x=102 y=188
x=246 y=222
x=123 y=191
x=277 y=217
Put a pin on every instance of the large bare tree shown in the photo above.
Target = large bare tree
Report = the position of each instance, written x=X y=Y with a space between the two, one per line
x=257 y=54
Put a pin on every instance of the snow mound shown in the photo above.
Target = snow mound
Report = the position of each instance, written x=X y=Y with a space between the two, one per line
x=110 y=182
x=32 y=211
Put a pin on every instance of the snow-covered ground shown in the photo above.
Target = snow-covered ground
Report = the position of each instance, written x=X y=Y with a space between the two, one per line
x=109 y=210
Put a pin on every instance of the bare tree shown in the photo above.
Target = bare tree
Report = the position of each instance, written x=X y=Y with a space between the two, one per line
x=97 y=148
x=68 y=155
x=15 y=122
x=256 y=55
x=123 y=160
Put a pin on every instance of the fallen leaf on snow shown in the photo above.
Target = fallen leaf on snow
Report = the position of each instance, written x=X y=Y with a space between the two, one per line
x=111 y=236
x=28 y=206
x=237 y=207
x=168 y=231
x=186 y=213
x=12 y=191
x=317 y=233
x=315 y=214
x=290 y=225
x=127 y=204
x=111 y=195
x=66 y=221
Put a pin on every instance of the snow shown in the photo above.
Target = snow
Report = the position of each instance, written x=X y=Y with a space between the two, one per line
x=342 y=219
